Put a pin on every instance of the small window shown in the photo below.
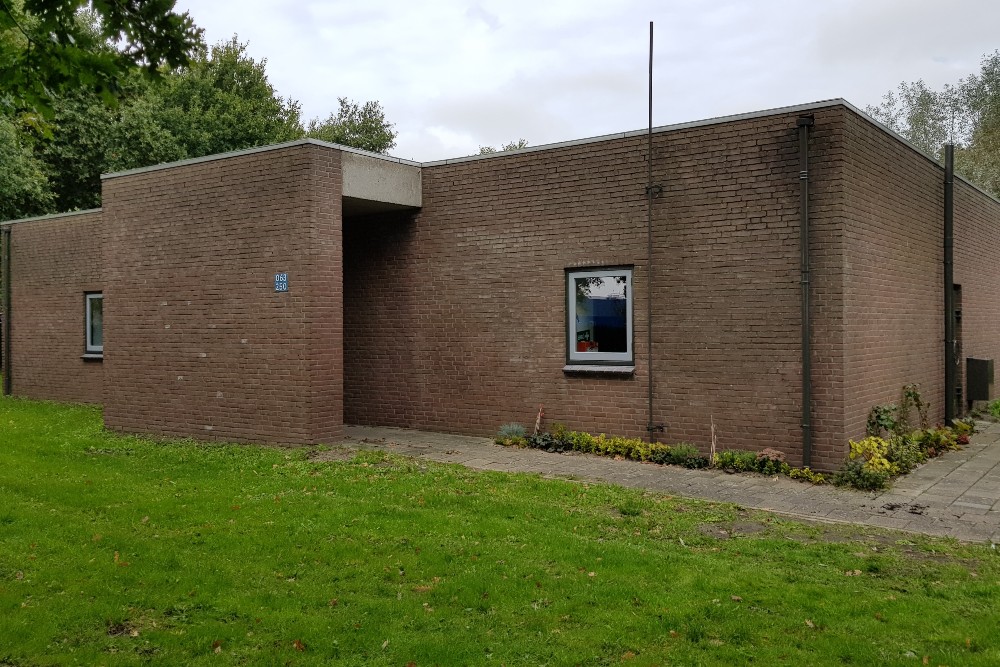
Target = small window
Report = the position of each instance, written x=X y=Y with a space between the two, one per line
x=599 y=316
x=95 y=323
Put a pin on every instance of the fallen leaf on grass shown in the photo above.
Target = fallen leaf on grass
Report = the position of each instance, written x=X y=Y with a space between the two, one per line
x=19 y=576
x=736 y=598
x=852 y=573
x=119 y=562
x=673 y=633
x=628 y=655
x=334 y=602
x=927 y=660
x=145 y=519
x=298 y=645
x=217 y=646
x=591 y=574
x=385 y=644
x=810 y=623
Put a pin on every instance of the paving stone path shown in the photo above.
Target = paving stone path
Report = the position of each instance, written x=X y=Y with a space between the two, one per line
x=955 y=495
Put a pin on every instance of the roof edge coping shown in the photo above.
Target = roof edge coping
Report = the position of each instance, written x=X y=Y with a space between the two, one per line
x=50 y=216
x=252 y=151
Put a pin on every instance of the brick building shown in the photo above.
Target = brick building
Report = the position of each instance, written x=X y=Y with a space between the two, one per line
x=275 y=294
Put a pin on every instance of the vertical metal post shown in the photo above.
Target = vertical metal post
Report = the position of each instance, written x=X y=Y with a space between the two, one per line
x=949 y=285
x=649 y=246
x=804 y=123
x=7 y=379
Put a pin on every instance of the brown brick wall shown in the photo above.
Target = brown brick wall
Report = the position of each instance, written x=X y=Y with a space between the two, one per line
x=977 y=270
x=895 y=273
x=455 y=318
x=198 y=341
x=893 y=319
x=54 y=261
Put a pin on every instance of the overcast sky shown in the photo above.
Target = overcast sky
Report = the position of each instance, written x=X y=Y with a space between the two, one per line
x=453 y=75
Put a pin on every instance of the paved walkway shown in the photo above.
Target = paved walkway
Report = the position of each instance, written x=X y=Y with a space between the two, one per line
x=956 y=495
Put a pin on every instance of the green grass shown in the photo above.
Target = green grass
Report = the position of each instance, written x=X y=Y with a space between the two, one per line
x=120 y=550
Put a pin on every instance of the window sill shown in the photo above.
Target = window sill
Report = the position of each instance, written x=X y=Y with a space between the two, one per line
x=580 y=369
x=92 y=356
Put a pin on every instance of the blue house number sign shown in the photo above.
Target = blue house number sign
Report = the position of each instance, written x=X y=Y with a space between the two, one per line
x=280 y=282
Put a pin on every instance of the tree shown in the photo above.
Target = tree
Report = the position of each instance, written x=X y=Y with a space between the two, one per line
x=45 y=50
x=24 y=189
x=222 y=102
x=361 y=126
x=967 y=114
x=509 y=146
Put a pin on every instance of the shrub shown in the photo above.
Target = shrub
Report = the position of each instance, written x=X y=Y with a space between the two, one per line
x=910 y=400
x=881 y=419
x=511 y=435
x=734 y=459
x=966 y=426
x=904 y=453
x=807 y=475
x=659 y=453
x=994 y=408
x=548 y=442
x=872 y=453
x=687 y=455
x=935 y=441
x=559 y=431
x=855 y=473
x=771 y=462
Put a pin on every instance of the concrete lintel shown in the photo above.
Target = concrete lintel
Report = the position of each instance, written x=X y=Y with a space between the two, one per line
x=375 y=180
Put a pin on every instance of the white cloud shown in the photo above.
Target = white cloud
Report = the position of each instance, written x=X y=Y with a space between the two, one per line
x=456 y=74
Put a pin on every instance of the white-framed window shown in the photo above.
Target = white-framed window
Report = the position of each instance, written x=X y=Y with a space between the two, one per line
x=599 y=316
x=94 y=309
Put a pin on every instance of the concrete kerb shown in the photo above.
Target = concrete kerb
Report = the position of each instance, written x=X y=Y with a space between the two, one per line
x=946 y=497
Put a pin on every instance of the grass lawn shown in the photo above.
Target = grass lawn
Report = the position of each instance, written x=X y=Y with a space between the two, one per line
x=119 y=550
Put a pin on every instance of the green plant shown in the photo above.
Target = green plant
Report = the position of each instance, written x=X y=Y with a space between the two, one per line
x=559 y=431
x=867 y=466
x=909 y=401
x=881 y=419
x=905 y=453
x=935 y=441
x=964 y=426
x=807 y=475
x=687 y=455
x=771 y=462
x=994 y=408
x=511 y=435
x=736 y=460
x=855 y=473
x=548 y=442
x=872 y=452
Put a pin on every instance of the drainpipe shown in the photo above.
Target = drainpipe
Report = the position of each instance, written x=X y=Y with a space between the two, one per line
x=804 y=123
x=6 y=311
x=949 y=284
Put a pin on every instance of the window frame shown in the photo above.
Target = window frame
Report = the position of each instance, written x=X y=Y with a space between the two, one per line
x=575 y=358
x=89 y=349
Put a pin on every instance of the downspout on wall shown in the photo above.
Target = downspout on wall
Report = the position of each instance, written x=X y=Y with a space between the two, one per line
x=804 y=123
x=7 y=381
x=950 y=368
